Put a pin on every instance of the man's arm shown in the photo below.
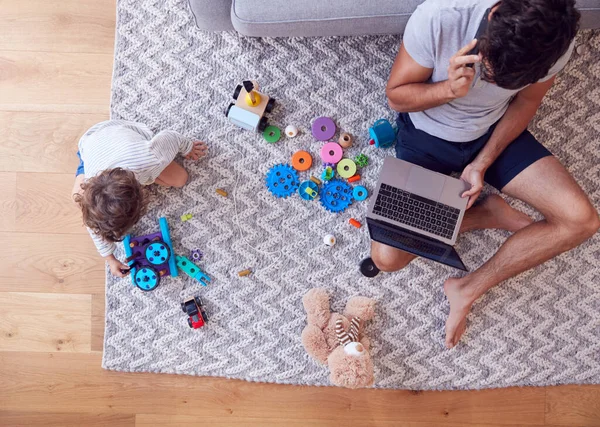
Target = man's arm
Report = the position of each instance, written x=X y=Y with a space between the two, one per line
x=407 y=91
x=516 y=119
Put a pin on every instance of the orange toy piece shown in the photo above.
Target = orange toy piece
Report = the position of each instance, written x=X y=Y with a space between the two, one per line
x=354 y=178
x=355 y=223
x=301 y=160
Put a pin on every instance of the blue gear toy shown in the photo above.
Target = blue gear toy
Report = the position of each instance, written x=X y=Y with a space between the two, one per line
x=336 y=195
x=308 y=190
x=282 y=180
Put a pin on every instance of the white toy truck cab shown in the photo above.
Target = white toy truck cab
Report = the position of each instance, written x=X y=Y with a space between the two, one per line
x=250 y=106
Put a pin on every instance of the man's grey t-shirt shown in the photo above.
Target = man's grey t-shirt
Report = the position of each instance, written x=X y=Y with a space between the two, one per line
x=434 y=33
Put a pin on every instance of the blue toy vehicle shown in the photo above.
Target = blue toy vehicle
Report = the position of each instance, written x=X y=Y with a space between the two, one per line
x=150 y=257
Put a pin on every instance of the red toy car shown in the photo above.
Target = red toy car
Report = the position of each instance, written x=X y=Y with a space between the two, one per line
x=193 y=308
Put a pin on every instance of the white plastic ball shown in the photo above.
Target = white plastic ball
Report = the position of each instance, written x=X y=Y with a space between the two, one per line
x=329 y=240
x=291 y=131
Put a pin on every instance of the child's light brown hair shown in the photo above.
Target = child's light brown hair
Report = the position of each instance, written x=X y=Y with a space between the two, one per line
x=111 y=203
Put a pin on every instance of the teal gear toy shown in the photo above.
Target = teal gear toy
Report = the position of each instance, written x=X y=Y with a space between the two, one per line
x=146 y=279
x=336 y=195
x=327 y=174
x=360 y=193
x=308 y=190
x=361 y=160
x=282 y=180
x=157 y=253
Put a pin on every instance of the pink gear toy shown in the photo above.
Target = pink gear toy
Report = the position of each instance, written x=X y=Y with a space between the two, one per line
x=332 y=152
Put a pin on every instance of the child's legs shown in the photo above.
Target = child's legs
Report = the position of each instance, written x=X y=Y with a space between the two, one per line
x=173 y=176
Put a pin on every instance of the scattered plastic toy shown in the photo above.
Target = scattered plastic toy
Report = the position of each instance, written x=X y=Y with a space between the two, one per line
x=327 y=174
x=291 y=131
x=272 y=134
x=345 y=140
x=368 y=268
x=382 y=134
x=301 y=160
x=329 y=239
x=244 y=273
x=346 y=168
x=361 y=160
x=250 y=107
x=354 y=178
x=360 y=193
x=196 y=315
x=196 y=255
x=315 y=180
x=336 y=195
x=186 y=217
x=221 y=192
x=355 y=223
x=331 y=153
x=308 y=190
x=282 y=180
x=192 y=270
x=152 y=255
x=323 y=128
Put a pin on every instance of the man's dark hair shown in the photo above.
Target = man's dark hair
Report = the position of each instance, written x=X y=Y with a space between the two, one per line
x=525 y=38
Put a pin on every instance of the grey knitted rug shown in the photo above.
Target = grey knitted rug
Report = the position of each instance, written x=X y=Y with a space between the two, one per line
x=540 y=328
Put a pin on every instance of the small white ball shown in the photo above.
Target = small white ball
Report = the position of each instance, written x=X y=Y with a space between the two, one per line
x=329 y=240
x=291 y=131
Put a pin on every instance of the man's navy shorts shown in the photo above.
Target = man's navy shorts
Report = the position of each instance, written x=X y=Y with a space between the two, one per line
x=439 y=155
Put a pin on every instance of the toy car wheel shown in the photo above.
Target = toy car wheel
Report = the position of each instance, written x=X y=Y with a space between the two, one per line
x=237 y=91
x=204 y=316
x=262 y=124
x=147 y=279
x=190 y=322
x=270 y=105
x=183 y=308
x=157 y=252
x=228 y=109
x=198 y=301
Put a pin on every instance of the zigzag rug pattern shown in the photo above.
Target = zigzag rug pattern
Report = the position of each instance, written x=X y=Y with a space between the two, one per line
x=540 y=328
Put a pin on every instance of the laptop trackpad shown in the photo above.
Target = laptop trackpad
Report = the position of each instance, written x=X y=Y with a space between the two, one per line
x=425 y=183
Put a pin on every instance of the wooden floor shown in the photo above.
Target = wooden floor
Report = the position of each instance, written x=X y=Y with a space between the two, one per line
x=55 y=71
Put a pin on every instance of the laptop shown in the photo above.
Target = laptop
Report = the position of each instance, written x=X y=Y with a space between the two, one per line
x=418 y=211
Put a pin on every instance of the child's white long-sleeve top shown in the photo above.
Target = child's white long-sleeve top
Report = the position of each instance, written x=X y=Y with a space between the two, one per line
x=128 y=145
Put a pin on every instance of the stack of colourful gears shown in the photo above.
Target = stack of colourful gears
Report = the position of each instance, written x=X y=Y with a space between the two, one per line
x=336 y=195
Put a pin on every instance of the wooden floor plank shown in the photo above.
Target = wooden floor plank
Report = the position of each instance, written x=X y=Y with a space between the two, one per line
x=38 y=382
x=573 y=406
x=153 y=420
x=45 y=419
x=59 y=26
x=58 y=82
x=50 y=263
x=42 y=142
x=45 y=204
x=34 y=322
x=98 y=308
x=8 y=200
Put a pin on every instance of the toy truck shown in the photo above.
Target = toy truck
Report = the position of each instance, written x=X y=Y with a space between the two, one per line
x=196 y=315
x=250 y=107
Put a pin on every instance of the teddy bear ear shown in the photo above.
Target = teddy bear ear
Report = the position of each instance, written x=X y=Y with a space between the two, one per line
x=316 y=304
x=362 y=307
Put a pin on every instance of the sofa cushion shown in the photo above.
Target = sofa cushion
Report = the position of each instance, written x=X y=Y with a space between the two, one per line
x=285 y=18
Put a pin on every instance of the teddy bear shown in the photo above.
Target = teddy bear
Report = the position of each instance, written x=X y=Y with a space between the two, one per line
x=336 y=340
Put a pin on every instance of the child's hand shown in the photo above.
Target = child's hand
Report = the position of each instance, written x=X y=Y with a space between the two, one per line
x=117 y=268
x=199 y=150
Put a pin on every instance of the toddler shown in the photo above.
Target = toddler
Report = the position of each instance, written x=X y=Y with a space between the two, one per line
x=118 y=158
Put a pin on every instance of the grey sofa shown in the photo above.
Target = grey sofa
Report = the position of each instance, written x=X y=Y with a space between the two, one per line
x=286 y=18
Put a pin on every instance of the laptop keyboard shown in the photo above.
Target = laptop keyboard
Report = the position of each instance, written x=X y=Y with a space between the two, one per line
x=416 y=211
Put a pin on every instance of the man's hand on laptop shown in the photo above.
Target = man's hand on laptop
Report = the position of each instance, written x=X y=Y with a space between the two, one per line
x=474 y=176
x=460 y=77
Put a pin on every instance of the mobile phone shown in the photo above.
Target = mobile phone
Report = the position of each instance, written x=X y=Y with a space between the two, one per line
x=480 y=31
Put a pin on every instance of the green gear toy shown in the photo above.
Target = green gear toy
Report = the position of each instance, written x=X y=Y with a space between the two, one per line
x=361 y=160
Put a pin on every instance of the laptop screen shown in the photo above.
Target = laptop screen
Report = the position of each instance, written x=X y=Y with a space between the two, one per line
x=415 y=244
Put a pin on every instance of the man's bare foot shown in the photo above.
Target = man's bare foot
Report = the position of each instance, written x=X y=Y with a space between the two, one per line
x=460 y=304
x=500 y=215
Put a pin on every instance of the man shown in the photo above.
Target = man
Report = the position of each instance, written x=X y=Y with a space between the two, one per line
x=473 y=119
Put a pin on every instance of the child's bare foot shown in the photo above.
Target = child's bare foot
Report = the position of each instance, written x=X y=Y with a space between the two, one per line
x=199 y=150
